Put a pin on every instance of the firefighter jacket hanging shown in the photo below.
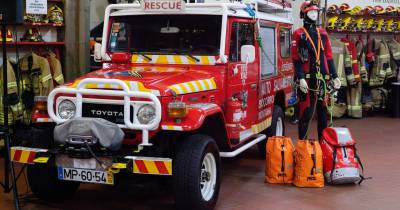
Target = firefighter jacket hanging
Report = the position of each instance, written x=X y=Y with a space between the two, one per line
x=354 y=107
x=381 y=65
x=12 y=89
x=312 y=57
x=342 y=60
x=56 y=70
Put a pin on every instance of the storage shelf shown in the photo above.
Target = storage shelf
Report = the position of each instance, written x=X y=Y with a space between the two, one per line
x=363 y=32
x=33 y=43
x=44 y=24
x=365 y=16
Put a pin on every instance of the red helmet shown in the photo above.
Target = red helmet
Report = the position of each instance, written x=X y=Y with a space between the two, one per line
x=306 y=7
x=379 y=10
x=345 y=8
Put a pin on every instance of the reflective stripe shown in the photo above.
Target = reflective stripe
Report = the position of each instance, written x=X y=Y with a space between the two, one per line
x=11 y=84
x=60 y=77
x=384 y=56
x=354 y=61
x=46 y=78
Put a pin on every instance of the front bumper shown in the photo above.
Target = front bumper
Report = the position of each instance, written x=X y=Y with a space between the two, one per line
x=121 y=89
x=132 y=164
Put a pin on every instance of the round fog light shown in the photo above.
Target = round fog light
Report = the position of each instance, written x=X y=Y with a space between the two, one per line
x=146 y=114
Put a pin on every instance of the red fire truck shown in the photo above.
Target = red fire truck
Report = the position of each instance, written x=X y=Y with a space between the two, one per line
x=187 y=83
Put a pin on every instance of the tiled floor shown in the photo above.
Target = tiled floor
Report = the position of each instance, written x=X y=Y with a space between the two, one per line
x=243 y=184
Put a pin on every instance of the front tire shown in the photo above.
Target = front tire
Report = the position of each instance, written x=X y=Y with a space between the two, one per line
x=277 y=128
x=197 y=173
x=43 y=178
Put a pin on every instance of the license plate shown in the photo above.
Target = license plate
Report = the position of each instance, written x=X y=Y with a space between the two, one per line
x=84 y=175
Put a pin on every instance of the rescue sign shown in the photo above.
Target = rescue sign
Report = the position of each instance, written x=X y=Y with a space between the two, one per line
x=163 y=5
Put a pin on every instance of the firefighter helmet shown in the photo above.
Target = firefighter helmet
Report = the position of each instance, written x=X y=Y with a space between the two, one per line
x=346 y=23
x=345 y=8
x=306 y=7
x=390 y=10
x=380 y=25
x=390 y=25
x=369 y=10
x=355 y=11
x=333 y=23
x=56 y=15
x=334 y=9
x=31 y=18
x=32 y=35
x=379 y=10
x=360 y=24
x=9 y=37
x=371 y=25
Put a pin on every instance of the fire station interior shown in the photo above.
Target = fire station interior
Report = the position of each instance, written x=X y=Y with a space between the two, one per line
x=199 y=104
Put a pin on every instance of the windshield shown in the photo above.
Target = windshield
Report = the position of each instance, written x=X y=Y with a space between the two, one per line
x=166 y=34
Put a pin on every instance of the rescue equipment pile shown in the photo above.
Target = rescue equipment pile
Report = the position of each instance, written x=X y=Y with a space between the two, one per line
x=32 y=78
x=334 y=158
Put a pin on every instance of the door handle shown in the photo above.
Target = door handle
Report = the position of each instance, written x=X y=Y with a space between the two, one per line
x=253 y=86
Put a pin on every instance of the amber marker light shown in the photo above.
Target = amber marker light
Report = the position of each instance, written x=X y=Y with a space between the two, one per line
x=177 y=110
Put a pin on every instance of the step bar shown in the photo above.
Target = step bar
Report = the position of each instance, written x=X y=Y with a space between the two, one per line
x=243 y=148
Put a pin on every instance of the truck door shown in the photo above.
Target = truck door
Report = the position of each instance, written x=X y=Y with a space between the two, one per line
x=268 y=74
x=242 y=83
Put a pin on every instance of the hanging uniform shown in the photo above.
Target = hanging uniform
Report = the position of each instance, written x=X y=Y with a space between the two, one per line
x=342 y=60
x=36 y=75
x=381 y=66
x=12 y=88
x=353 y=51
x=56 y=70
x=394 y=48
x=362 y=61
x=354 y=108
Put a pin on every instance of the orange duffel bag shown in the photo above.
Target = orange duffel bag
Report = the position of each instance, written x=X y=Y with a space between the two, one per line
x=308 y=170
x=279 y=160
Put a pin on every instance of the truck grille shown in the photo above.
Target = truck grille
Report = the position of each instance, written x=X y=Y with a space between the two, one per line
x=111 y=112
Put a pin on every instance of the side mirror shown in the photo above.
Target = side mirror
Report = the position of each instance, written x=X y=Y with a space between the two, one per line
x=247 y=54
x=97 y=52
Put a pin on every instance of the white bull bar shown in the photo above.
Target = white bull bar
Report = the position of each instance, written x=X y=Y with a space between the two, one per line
x=125 y=92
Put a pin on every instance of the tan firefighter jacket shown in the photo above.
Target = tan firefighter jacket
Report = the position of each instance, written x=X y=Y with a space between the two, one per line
x=342 y=60
x=15 y=110
x=394 y=47
x=36 y=75
x=361 y=61
x=381 y=66
x=56 y=70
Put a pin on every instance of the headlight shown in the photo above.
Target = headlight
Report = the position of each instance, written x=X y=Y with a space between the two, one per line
x=66 y=109
x=146 y=114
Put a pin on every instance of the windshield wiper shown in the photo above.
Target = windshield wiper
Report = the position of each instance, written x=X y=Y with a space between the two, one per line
x=192 y=57
x=145 y=56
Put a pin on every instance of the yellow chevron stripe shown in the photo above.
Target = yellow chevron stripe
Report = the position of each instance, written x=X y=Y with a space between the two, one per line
x=168 y=166
x=184 y=89
x=206 y=84
x=177 y=59
x=135 y=58
x=12 y=153
x=24 y=157
x=151 y=167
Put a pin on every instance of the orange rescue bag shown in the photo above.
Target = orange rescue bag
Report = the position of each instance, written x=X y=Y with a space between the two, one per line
x=279 y=161
x=308 y=164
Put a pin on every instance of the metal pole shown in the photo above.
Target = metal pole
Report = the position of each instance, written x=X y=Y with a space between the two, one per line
x=9 y=166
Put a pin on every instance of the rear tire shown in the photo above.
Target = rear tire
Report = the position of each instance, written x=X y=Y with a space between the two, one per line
x=43 y=178
x=277 y=128
x=196 y=173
